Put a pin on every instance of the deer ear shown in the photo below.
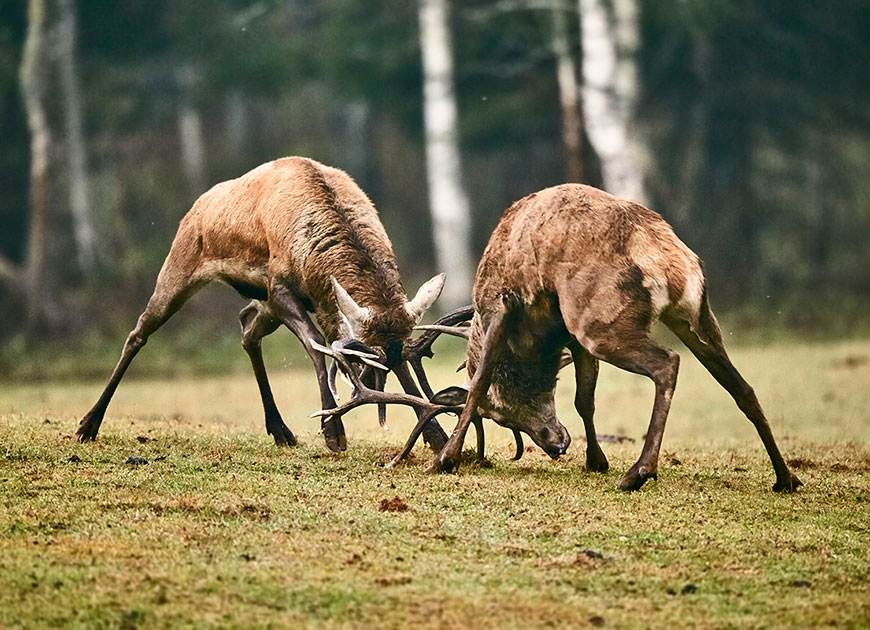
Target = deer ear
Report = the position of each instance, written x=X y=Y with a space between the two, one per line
x=426 y=296
x=354 y=315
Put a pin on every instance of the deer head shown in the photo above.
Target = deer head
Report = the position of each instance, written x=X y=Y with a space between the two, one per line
x=362 y=323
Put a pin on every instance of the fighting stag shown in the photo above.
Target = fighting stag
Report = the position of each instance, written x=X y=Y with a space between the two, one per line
x=299 y=239
x=574 y=267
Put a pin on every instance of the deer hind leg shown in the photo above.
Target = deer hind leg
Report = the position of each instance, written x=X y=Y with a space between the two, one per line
x=704 y=339
x=586 y=377
x=256 y=323
x=169 y=295
x=290 y=311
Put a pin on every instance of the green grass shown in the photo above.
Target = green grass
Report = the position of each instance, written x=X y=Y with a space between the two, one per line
x=221 y=528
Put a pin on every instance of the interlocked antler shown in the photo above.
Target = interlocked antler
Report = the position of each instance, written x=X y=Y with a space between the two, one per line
x=363 y=394
x=346 y=352
x=451 y=324
x=416 y=349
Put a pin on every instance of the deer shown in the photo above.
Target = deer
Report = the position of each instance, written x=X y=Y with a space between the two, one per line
x=305 y=244
x=574 y=268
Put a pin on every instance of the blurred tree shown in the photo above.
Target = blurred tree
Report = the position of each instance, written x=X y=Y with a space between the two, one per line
x=610 y=36
x=755 y=112
x=76 y=150
x=742 y=98
x=34 y=79
x=190 y=130
x=569 y=94
x=448 y=202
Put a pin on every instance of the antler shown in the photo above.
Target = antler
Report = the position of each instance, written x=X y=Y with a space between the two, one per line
x=416 y=349
x=346 y=352
x=451 y=324
x=362 y=394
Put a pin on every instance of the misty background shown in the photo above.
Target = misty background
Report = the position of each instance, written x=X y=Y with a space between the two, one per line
x=745 y=124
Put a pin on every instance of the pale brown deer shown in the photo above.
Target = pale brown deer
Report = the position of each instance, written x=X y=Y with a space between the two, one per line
x=299 y=239
x=574 y=267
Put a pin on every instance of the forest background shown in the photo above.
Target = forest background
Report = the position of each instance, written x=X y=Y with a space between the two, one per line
x=745 y=124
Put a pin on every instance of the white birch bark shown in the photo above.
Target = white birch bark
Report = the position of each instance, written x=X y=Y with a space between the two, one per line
x=610 y=42
x=448 y=201
x=32 y=76
x=79 y=193
x=569 y=94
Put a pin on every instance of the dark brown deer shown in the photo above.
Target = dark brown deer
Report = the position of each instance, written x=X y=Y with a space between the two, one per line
x=298 y=238
x=574 y=267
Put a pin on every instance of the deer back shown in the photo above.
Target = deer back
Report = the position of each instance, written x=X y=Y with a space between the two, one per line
x=297 y=222
x=578 y=243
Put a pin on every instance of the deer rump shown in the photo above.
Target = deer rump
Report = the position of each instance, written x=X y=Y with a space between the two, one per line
x=305 y=243
x=574 y=268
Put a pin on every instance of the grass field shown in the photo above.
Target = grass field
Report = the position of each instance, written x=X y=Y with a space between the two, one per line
x=222 y=528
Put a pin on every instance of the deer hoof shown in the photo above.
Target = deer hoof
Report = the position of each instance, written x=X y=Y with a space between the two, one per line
x=636 y=477
x=789 y=484
x=87 y=431
x=333 y=433
x=596 y=462
x=283 y=436
x=340 y=435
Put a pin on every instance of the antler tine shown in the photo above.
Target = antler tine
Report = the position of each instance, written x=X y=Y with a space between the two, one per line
x=518 y=438
x=380 y=383
x=333 y=372
x=422 y=345
x=417 y=366
x=456 y=331
x=416 y=349
x=339 y=358
x=364 y=395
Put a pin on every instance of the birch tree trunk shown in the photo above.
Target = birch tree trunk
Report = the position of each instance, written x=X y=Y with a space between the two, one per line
x=79 y=194
x=610 y=42
x=569 y=95
x=33 y=72
x=448 y=202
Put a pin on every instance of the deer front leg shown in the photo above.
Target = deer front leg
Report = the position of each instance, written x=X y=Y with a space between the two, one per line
x=290 y=311
x=448 y=459
x=256 y=323
x=661 y=365
x=586 y=377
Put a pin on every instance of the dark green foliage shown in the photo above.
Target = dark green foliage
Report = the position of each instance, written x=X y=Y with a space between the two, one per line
x=755 y=113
